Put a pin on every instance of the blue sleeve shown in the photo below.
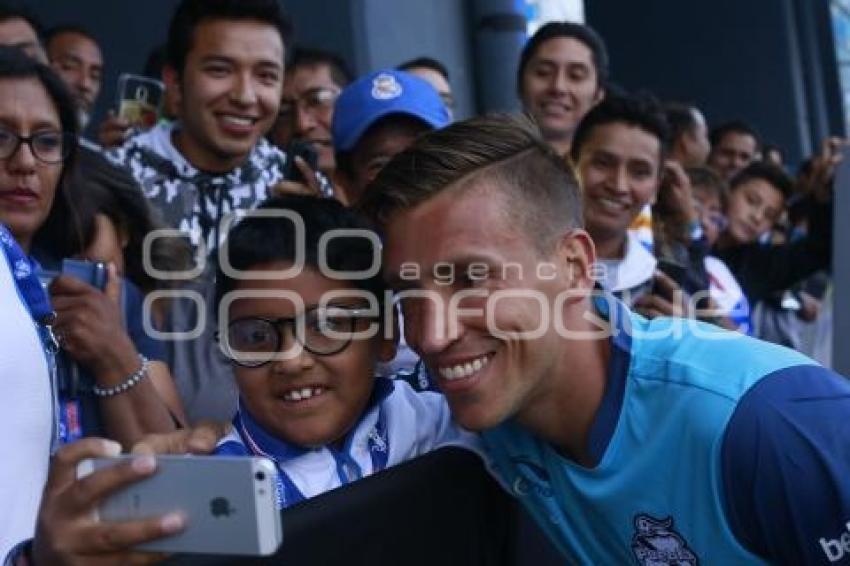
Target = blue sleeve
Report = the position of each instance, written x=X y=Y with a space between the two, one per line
x=152 y=349
x=786 y=467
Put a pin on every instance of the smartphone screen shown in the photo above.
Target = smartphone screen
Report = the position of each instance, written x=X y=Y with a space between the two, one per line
x=675 y=271
x=306 y=152
x=229 y=502
x=139 y=100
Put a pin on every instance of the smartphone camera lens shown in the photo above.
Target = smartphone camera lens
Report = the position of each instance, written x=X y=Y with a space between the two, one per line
x=260 y=476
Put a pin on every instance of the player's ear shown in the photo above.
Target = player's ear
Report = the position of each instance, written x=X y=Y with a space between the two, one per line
x=576 y=256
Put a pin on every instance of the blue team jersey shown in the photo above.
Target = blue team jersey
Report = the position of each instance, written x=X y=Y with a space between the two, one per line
x=671 y=480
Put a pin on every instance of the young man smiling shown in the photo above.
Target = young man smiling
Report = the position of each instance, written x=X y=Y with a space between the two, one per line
x=629 y=440
x=562 y=74
x=226 y=62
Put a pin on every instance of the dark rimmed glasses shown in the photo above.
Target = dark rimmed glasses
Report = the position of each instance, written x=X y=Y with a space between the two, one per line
x=314 y=101
x=47 y=146
x=324 y=331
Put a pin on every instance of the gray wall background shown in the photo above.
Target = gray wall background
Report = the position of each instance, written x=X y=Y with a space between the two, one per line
x=770 y=62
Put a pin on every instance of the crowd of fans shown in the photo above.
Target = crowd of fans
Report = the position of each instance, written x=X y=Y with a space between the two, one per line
x=682 y=220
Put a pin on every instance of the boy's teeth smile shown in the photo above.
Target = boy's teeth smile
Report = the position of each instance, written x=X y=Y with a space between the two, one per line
x=237 y=120
x=303 y=394
x=465 y=370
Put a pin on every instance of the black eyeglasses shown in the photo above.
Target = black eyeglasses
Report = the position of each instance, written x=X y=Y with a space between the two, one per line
x=314 y=101
x=254 y=341
x=48 y=146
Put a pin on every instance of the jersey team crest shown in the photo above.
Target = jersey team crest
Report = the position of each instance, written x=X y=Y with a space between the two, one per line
x=385 y=87
x=656 y=543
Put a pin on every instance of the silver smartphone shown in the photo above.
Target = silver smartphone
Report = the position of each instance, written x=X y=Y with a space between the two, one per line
x=229 y=503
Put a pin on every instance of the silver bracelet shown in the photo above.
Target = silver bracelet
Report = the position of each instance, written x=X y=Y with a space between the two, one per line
x=129 y=383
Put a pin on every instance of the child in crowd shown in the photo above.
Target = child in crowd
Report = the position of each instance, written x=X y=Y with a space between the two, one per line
x=709 y=193
x=305 y=345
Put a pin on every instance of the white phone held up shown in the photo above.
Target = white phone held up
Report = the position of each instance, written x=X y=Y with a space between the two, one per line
x=229 y=502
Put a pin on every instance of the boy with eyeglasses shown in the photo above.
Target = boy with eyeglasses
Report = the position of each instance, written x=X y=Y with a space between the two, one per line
x=304 y=341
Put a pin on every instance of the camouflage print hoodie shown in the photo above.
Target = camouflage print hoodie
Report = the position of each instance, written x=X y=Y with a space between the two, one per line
x=194 y=201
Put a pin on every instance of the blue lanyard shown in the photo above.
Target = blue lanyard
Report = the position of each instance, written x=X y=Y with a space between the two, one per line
x=24 y=273
x=287 y=492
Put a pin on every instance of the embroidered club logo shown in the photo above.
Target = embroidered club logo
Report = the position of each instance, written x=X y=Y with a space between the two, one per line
x=656 y=543
x=22 y=269
x=385 y=87
x=378 y=444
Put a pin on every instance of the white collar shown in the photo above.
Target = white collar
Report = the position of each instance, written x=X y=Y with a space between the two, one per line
x=635 y=268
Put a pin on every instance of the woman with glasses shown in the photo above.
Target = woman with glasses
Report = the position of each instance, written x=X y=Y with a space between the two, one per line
x=301 y=317
x=101 y=378
x=37 y=151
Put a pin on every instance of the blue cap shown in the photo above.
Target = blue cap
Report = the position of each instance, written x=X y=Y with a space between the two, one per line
x=379 y=94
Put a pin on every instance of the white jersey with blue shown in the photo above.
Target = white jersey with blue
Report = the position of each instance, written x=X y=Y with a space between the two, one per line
x=710 y=447
x=399 y=424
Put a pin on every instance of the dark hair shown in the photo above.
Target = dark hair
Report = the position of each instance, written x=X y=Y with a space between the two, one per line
x=112 y=191
x=733 y=127
x=541 y=194
x=62 y=224
x=585 y=34
x=768 y=172
x=425 y=63
x=255 y=241
x=706 y=177
x=190 y=13
x=680 y=119
x=806 y=167
x=768 y=147
x=311 y=57
x=642 y=111
x=404 y=122
x=155 y=62
x=73 y=28
x=16 y=12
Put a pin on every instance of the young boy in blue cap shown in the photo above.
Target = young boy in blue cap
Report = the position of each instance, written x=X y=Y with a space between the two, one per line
x=376 y=117
x=302 y=319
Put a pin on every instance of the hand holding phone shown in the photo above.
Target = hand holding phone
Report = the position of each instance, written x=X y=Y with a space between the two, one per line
x=139 y=100
x=667 y=297
x=307 y=153
x=66 y=532
x=229 y=503
x=89 y=324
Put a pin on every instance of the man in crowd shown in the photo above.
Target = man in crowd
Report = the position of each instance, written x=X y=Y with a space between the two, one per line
x=76 y=56
x=226 y=61
x=437 y=76
x=313 y=81
x=734 y=145
x=619 y=153
x=20 y=29
x=628 y=439
x=562 y=74
x=689 y=144
x=378 y=116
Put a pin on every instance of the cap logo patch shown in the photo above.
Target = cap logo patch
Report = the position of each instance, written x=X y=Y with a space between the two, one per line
x=385 y=87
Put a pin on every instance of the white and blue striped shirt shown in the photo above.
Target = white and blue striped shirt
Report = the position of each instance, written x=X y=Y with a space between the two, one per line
x=398 y=424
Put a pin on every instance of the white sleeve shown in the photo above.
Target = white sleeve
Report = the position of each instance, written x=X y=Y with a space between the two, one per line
x=419 y=422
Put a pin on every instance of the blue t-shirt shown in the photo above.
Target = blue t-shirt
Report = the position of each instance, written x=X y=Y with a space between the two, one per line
x=709 y=446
